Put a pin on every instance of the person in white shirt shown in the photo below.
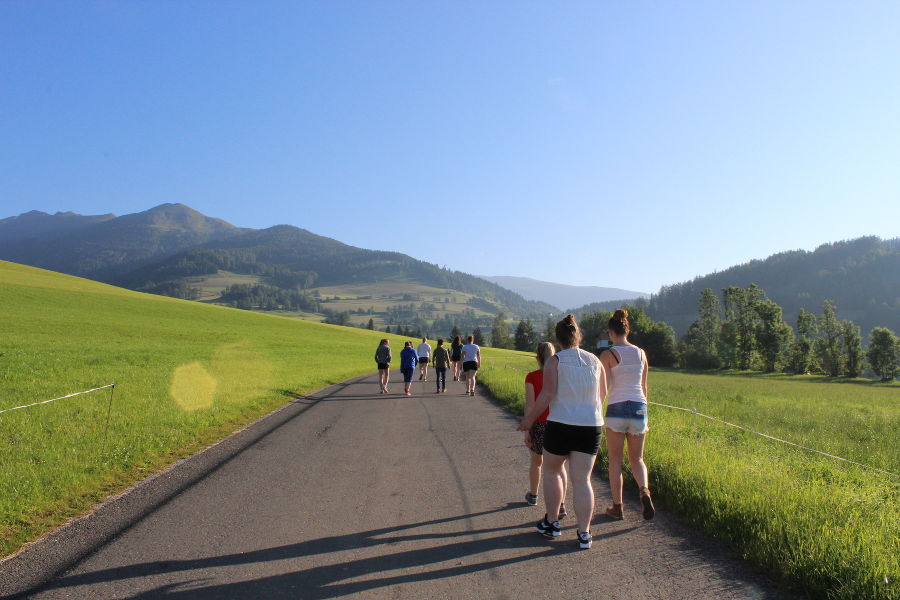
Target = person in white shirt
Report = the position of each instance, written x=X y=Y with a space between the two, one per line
x=424 y=351
x=574 y=388
x=626 y=414
x=471 y=356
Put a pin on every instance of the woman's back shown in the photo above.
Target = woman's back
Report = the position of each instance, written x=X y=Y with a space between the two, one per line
x=578 y=399
x=626 y=376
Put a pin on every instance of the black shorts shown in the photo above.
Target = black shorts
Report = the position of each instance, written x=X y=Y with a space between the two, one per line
x=561 y=439
x=537 y=437
x=470 y=365
x=456 y=357
x=383 y=366
x=423 y=360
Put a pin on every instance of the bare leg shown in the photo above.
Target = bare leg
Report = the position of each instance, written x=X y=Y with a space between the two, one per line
x=636 y=459
x=581 y=466
x=553 y=484
x=615 y=443
x=534 y=473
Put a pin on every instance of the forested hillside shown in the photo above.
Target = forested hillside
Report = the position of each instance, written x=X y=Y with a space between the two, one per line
x=101 y=247
x=293 y=258
x=861 y=277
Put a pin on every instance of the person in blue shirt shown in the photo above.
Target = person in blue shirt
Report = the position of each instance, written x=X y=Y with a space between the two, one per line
x=409 y=358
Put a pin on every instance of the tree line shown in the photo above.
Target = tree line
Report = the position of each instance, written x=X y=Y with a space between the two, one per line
x=745 y=330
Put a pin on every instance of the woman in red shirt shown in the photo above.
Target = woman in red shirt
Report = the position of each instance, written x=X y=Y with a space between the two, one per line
x=534 y=437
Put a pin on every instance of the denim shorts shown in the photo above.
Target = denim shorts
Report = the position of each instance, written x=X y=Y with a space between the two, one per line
x=627 y=417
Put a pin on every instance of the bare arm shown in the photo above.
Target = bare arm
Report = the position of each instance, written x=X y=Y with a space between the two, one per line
x=529 y=402
x=602 y=387
x=644 y=374
x=548 y=392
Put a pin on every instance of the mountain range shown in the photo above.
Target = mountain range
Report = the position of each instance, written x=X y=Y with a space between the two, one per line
x=561 y=295
x=175 y=250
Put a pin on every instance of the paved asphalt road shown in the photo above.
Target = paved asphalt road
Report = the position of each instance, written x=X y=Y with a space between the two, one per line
x=356 y=494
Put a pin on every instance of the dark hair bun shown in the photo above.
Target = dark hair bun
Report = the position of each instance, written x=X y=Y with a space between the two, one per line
x=567 y=332
x=619 y=322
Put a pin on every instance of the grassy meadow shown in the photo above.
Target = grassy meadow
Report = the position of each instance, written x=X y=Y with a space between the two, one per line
x=187 y=374
x=190 y=373
x=820 y=525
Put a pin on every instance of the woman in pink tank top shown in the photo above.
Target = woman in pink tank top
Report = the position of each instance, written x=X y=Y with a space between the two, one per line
x=626 y=414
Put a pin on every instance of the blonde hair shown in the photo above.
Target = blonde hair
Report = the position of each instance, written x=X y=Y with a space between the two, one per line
x=544 y=352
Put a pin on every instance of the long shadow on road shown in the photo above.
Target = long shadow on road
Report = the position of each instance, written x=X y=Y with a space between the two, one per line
x=329 y=581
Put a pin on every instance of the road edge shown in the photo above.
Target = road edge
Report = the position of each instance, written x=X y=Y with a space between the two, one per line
x=40 y=561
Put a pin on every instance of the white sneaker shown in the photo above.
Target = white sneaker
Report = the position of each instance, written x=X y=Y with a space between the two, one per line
x=585 y=539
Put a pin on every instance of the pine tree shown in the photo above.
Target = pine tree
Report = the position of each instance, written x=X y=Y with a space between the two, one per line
x=500 y=332
x=830 y=350
x=701 y=343
x=370 y=324
x=884 y=353
x=478 y=337
x=526 y=338
x=709 y=324
x=454 y=332
x=773 y=335
x=852 y=348
x=550 y=331
x=802 y=350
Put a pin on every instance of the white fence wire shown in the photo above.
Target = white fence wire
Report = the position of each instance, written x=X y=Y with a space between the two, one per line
x=111 y=385
x=765 y=435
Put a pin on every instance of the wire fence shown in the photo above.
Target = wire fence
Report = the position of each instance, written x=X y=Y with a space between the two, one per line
x=694 y=411
x=110 y=386
x=103 y=387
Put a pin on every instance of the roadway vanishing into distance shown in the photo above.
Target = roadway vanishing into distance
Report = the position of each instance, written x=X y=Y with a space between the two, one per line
x=355 y=494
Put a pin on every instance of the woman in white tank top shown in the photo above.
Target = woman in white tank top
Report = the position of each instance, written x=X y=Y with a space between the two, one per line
x=626 y=414
x=574 y=387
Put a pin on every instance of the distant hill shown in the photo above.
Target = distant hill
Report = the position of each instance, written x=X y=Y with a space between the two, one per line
x=174 y=250
x=101 y=247
x=290 y=257
x=38 y=225
x=561 y=295
x=862 y=276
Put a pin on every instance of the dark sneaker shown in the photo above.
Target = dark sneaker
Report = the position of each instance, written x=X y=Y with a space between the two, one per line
x=648 y=510
x=585 y=539
x=530 y=499
x=562 y=511
x=550 y=530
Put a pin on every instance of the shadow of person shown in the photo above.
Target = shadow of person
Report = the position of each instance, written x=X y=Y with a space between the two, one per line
x=329 y=581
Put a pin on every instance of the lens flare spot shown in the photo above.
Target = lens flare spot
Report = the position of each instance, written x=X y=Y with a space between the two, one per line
x=192 y=387
x=243 y=373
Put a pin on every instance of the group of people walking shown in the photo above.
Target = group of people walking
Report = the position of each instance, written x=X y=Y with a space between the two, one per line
x=564 y=423
x=564 y=418
x=463 y=360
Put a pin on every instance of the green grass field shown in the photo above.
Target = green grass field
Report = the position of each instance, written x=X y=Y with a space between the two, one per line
x=187 y=373
x=820 y=525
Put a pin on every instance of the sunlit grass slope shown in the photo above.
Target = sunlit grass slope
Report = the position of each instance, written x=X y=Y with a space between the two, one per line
x=819 y=524
x=187 y=374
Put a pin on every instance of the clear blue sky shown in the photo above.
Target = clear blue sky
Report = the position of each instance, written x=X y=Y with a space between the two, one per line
x=625 y=144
